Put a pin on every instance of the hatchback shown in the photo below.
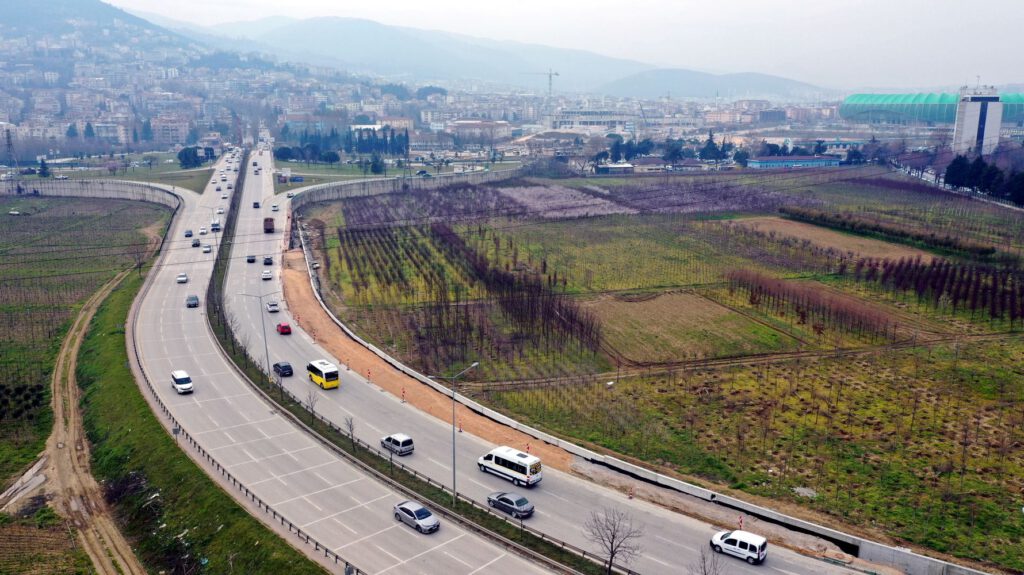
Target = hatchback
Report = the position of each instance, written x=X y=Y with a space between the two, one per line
x=416 y=516
x=512 y=503
x=398 y=443
x=283 y=368
x=283 y=328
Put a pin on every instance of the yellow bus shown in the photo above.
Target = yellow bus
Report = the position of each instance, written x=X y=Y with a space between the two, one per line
x=323 y=373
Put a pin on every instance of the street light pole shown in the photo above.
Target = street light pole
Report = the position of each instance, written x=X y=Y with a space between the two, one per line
x=263 y=326
x=451 y=381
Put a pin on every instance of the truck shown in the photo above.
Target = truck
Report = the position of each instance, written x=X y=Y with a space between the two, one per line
x=268 y=225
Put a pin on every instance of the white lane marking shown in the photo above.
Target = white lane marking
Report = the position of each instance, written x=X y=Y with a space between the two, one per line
x=318 y=491
x=264 y=438
x=318 y=508
x=365 y=537
x=438 y=463
x=489 y=563
x=457 y=559
x=354 y=507
x=548 y=492
x=648 y=556
x=385 y=551
x=676 y=543
x=226 y=434
x=223 y=398
x=258 y=460
x=234 y=426
x=436 y=547
x=303 y=470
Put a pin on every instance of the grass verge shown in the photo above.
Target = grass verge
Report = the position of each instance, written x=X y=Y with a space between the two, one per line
x=178 y=519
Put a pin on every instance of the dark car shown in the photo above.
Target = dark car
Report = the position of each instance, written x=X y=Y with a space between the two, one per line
x=512 y=503
x=255 y=204
x=195 y=242
x=250 y=259
x=283 y=368
x=284 y=329
x=268 y=261
x=192 y=301
x=188 y=233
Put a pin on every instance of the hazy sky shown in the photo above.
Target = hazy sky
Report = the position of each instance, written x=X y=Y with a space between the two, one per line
x=833 y=43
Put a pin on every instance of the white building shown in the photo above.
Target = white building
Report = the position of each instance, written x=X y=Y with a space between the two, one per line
x=979 y=114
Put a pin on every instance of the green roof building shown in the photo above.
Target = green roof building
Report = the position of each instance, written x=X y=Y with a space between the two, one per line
x=933 y=108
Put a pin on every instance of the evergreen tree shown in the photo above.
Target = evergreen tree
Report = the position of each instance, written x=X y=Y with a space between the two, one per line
x=90 y=133
x=72 y=132
x=44 y=169
x=147 y=131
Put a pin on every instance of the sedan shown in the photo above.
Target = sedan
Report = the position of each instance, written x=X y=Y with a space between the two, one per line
x=220 y=210
x=223 y=196
x=266 y=275
x=250 y=259
x=207 y=248
x=512 y=503
x=202 y=231
x=273 y=307
x=192 y=301
x=188 y=233
x=284 y=329
x=195 y=242
x=268 y=261
x=416 y=516
x=182 y=278
x=283 y=368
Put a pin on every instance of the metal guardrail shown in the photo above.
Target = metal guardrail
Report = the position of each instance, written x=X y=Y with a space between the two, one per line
x=349 y=567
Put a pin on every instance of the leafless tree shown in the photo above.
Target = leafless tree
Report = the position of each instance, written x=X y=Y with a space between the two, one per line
x=616 y=534
x=350 y=426
x=708 y=563
x=312 y=397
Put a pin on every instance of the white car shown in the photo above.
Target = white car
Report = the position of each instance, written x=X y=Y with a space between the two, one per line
x=182 y=278
x=266 y=275
x=223 y=196
x=207 y=248
x=220 y=210
x=273 y=207
x=181 y=382
x=290 y=195
x=273 y=307
x=202 y=231
x=748 y=546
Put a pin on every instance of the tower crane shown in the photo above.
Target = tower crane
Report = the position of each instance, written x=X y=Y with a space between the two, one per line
x=551 y=77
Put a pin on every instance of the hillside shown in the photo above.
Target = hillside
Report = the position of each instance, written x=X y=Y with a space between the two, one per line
x=679 y=83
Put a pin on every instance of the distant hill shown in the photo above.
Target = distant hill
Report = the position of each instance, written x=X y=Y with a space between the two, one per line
x=678 y=83
x=367 y=46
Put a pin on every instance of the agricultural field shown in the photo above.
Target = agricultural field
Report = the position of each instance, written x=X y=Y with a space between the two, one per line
x=52 y=257
x=848 y=334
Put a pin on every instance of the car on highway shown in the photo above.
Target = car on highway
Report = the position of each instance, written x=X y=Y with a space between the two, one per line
x=218 y=188
x=230 y=187
x=290 y=195
x=195 y=243
x=283 y=368
x=223 y=196
x=182 y=278
x=748 y=546
x=398 y=443
x=181 y=382
x=268 y=260
x=266 y=275
x=192 y=301
x=202 y=231
x=250 y=259
x=188 y=233
x=273 y=307
x=220 y=210
x=207 y=248
x=284 y=329
x=512 y=503
x=273 y=207
x=255 y=204
x=416 y=516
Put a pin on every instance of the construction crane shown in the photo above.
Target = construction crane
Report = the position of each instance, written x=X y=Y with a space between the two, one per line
x=551 y=78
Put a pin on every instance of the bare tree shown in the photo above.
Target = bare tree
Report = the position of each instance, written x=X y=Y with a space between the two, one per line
x=707 y=564
x=350 y=426
x=614 y=531
x=312 y=397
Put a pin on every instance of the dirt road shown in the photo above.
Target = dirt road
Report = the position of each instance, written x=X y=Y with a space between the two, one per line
x=77 y=496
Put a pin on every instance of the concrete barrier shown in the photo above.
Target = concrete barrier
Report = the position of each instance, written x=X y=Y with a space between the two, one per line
x=102 y=189
x=903 y=559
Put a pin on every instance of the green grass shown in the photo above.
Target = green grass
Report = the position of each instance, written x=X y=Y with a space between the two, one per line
x=169 y=506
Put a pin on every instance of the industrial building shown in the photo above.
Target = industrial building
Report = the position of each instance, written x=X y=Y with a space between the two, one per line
x=780 y=162
x=928 y=108
x=979 y=115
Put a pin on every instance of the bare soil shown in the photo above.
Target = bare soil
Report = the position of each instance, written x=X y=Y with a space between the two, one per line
x=827 y=238
x=314 y=320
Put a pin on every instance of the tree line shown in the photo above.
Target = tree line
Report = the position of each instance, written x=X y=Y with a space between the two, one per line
x=986 y=178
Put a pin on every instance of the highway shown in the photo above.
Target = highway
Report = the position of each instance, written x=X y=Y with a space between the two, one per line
x=672 y=541
x=311 y=486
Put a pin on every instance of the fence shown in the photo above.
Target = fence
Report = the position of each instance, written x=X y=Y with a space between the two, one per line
x=901 y=558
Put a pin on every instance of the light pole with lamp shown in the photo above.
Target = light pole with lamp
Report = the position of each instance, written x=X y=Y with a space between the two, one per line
x=263 y=326
x=451 y=381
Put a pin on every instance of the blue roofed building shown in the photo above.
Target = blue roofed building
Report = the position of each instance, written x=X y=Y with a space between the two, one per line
x=783 y=162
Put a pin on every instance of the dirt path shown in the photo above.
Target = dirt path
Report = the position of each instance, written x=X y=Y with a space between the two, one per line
x=308 y=314
x=77 y=496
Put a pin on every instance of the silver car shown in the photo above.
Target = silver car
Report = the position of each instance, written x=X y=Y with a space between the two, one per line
x=416 y=516
x=398 y=443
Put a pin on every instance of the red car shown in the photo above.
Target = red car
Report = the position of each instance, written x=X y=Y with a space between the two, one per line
x=284 y=329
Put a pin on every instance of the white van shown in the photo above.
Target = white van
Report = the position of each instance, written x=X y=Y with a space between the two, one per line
x=181 y=382
x=747 y=546
x=522 y=469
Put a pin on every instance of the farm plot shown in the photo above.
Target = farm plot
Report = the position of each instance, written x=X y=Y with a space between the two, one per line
x=676 y=326
x=51 y=259
x=826 y=238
